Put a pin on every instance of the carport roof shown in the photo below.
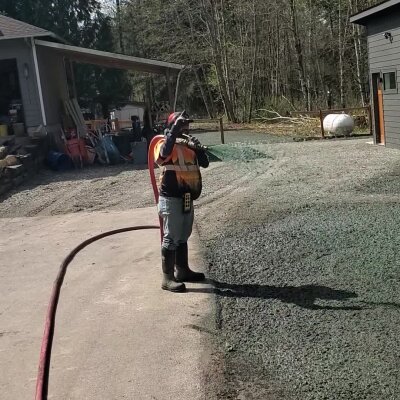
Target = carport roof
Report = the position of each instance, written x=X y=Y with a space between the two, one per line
x=111 y=60
x=362 y=16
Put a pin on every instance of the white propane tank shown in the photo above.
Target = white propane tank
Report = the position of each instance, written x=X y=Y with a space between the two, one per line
x=339 y=124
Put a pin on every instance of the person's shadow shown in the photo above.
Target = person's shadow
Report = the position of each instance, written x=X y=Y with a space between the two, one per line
x=302 y=296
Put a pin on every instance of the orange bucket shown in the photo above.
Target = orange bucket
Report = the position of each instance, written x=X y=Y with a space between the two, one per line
x=76 y=148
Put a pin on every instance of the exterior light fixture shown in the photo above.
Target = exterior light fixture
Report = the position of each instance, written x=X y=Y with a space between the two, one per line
x=389 y=36
x=26 y=71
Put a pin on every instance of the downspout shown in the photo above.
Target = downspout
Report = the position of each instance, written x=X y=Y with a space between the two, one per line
x=38 y=81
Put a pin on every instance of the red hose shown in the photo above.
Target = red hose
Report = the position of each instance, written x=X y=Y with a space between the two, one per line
x=150 y=162
x=42 y=383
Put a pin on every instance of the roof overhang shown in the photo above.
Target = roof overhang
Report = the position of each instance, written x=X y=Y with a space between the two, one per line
x=34 y=35
x=111 y=60
x=362 y=16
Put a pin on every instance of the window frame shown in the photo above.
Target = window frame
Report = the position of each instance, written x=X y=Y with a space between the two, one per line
x=389 y=71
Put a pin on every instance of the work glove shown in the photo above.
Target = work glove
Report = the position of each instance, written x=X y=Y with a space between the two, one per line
x=172 y=134
x=195 y=141
x=180 y=122
x=195 y=144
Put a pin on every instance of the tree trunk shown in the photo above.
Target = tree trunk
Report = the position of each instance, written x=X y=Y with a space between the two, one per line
x=253 y=72
x=211 y=21
x=209 y=95
x=203 y=94
x=357 y=48
x=299 y=53
x=341 y=67
x=121 y=42
x=223 y=87
x=225 y=60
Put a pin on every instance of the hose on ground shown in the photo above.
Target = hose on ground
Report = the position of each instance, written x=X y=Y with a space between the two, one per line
x=42 y=383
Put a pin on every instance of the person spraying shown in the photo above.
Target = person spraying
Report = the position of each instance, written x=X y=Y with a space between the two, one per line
x=180 y=156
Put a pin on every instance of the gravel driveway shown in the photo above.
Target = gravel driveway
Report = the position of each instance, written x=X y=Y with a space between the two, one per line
x=303 y=248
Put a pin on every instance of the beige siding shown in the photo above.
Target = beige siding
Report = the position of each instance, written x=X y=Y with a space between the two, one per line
x=21 y=51
x=385 y=56
x=54 y=84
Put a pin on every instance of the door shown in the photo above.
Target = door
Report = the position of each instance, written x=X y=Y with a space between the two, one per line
x=10 y=92
x=377 y=87
x=380 y=111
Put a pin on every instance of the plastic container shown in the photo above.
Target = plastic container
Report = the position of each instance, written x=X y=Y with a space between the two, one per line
x=91 y=152
x=76 y=148
x=139 y=153
x=73 y=148
x=3 y=130
x=83 y=150
x=339 y=124
x=19 y=129
x=58 y=161
x=123 y=143
x=113 y=154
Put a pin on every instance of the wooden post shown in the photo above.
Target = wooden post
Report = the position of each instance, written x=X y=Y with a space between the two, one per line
x=321 y=117
x=171 y=94
x=149 y=102
x=221 y=128
x=371 y=128
x=116 y=122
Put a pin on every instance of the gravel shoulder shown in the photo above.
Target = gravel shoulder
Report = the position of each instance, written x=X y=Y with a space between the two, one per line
x=118 y=188
x=94 y=189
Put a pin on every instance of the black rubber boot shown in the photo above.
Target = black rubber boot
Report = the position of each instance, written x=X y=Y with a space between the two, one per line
x=169 y=283
x=182 y=271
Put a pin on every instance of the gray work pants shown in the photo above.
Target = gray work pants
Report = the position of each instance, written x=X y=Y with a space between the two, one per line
x=177 y=225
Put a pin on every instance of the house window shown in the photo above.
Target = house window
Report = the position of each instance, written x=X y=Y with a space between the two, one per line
x=390 y=82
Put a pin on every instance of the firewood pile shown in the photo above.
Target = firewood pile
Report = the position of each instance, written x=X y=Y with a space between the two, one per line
x=19 y=159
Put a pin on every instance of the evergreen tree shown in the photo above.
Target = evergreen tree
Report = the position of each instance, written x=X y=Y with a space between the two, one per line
x=81 y=23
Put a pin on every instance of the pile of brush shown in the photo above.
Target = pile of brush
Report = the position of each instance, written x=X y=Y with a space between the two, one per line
x=17 y=162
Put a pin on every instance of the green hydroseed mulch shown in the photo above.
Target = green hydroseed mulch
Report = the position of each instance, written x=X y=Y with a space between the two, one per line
x=234 y=152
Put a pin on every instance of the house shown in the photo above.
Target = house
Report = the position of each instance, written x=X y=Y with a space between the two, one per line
x=36 y=73
x=382 y=23
x=131 y=109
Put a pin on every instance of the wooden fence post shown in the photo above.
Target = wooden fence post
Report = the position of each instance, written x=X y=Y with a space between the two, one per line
x=116 y=122
x=321 y=117
x=371 y=128
x=221 y=128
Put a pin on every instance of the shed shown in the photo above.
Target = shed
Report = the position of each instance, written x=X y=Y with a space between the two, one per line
x=36 y=77
x=382 y=23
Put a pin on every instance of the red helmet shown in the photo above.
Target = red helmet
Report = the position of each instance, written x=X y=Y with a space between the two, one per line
x=172 y=118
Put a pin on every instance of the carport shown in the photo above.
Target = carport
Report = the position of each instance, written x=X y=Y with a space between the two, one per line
x=38 y=65
x=111 y=60
x=104 y=59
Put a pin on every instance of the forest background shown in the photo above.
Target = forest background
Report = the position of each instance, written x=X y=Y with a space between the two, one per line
x=243 y=56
